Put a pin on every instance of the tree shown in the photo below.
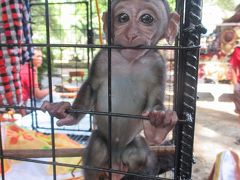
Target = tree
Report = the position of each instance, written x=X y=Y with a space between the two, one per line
x=172 y=4
x=225 y=5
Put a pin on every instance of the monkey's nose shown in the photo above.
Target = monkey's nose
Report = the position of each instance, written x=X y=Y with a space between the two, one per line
x=131 y=37
x=134 y=37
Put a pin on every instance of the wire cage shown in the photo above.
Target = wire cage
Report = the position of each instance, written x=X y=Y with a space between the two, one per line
x=69 y=40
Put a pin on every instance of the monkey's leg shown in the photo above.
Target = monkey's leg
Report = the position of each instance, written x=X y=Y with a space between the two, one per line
x=96 y=155
x=139 y=159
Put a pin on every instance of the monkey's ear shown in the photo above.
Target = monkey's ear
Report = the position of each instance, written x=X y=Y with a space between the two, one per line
x=105 y=25
x=173 y=27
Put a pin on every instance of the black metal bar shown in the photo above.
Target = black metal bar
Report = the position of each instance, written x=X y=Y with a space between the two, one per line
x=31 y=89
x=186 y=90
x=104 y=46
x=82 y=167
x=95 y=113
x=63 y=129
x=109 y=35
x=90 y=41
x=50 y=86
x=178 y=90
x=38 y=4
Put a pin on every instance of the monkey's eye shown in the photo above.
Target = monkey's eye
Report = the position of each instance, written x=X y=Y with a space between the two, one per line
x=146 y=19
x=123 y=17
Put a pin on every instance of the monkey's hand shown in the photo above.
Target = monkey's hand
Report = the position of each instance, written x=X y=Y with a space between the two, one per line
x=160 y=124
x=58 y=110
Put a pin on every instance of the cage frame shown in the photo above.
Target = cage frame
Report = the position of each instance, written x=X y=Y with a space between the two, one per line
x=186 y=67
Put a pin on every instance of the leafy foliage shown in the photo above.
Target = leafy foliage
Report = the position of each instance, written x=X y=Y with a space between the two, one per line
x=172 y=4
x=228 y=5
x=225 y=5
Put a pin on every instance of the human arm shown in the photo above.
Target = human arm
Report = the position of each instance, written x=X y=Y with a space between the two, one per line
x=235 y=73
x=39 y=93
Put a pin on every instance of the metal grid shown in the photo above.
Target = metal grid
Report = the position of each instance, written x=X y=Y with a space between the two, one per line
x=185 y=83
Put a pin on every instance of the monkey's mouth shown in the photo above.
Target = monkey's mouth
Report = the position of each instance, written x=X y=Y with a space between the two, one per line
x=141 y=46
x=133 y=52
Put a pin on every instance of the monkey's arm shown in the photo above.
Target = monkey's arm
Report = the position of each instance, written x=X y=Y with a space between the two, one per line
x=84 y=100
x=155 y=99
x=156 y=92
x=160 y=124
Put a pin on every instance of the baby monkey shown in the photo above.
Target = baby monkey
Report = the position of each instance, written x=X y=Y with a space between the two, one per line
x=138 y=87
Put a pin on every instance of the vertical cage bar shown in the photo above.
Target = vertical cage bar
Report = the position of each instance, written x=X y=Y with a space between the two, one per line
x=178 y=89
x=50 y=85
x=90 y=40
x=186 y=91
x=91 y=27
x=90 y=14
x=110 y=85
x=31 y=90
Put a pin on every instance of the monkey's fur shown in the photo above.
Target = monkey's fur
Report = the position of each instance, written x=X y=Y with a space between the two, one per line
x=138 y=86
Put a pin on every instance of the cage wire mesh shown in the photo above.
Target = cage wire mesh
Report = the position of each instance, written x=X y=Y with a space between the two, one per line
x=70 y=25
x=68 y=34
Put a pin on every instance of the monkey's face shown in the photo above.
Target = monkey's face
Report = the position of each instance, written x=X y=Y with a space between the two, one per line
x=138 y=23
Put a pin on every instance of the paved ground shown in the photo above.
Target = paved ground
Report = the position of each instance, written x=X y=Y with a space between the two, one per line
x=217 y=128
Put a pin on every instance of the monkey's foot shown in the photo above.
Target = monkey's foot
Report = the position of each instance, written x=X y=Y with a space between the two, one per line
x=120 y=167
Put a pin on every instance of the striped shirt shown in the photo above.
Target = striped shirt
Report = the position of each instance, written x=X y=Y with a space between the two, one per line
x=14 y=29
